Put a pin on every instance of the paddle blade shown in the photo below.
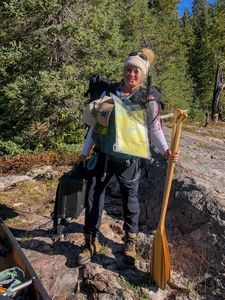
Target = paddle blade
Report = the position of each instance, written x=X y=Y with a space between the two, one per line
x=160 y=263
x=167 y=257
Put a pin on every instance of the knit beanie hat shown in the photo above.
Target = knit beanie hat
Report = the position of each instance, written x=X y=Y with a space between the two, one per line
x=140 y=59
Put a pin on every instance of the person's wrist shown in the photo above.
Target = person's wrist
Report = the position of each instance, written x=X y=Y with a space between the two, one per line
x=167 y=153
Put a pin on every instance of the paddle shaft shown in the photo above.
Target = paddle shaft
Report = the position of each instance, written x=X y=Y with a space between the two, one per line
x=170 y=169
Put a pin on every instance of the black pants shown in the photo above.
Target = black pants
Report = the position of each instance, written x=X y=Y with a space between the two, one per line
x=128 y=176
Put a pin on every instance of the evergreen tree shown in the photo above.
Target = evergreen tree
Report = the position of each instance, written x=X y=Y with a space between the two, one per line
x=217 y=38
x=49 y=49
x=36 y=86
x=208 y=25
x=188 y=37
x=201 y=55
x=171 y=62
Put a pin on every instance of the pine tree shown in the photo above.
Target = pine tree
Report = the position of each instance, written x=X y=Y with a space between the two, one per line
x=201 y=55
x=49 y=49
x=171 y=62
x=217 y=38
x=188 y=37
x=36 y=85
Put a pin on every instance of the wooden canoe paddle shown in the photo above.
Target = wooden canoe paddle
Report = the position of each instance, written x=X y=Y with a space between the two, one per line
x=160 y=261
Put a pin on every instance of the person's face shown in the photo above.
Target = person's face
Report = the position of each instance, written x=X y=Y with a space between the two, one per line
x=133 y=77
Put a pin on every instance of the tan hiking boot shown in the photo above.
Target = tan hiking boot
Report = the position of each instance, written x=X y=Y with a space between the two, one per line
x=130 y=248
x=88 y=249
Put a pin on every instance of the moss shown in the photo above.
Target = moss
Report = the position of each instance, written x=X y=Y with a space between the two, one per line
x=105 y=250
x=137 y=289
x=29 y=195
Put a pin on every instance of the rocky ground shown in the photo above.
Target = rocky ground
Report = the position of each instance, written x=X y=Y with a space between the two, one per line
x=194 y=228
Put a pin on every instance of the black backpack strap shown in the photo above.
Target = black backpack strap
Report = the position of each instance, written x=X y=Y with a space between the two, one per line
x=156 y=93
x=97 y=85
x=114 y=88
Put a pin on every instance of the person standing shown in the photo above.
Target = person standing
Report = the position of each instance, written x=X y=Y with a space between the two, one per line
x=125 y=167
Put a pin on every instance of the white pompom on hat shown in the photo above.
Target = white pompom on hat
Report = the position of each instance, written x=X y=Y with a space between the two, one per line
x=140 y=59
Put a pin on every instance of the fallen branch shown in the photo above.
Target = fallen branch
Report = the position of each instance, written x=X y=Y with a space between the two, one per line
x=170 y=115
x=167 y=116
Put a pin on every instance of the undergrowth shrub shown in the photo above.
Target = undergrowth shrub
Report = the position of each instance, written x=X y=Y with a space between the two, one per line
x=24 y=162
x=196 y=114
x=9 y=148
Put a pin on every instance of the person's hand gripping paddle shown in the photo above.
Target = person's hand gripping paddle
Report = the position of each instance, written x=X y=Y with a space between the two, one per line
x=160 y=261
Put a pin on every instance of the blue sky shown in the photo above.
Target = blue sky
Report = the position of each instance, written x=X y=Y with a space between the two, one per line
x=188 y=3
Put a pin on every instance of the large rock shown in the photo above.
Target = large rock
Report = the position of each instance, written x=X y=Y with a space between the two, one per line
x=195 y=219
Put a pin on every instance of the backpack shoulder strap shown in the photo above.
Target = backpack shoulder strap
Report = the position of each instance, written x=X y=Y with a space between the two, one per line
x=156 y=95
x=97 y=85
x=114 y=88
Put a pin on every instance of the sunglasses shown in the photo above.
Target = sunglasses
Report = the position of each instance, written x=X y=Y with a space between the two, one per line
x=141 y=55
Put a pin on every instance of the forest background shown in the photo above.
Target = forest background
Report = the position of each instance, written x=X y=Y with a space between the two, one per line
x=49 y=49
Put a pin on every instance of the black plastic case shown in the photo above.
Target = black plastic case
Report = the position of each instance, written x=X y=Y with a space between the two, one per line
x=70 y=198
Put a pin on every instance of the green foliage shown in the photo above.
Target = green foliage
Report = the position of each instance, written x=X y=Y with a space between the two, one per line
x=203 y=53
x=137 y=289
x=49 y=48
x=196 y=113
x=47 y=54
x=9 y=148
x=200 y=55
x=105 y=250
x=171 y=62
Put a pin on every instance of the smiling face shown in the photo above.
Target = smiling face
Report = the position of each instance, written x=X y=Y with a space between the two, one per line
x=133 y=77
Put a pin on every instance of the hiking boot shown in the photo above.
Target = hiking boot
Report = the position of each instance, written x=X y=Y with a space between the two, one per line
x=130 y=248
x=88 y=249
